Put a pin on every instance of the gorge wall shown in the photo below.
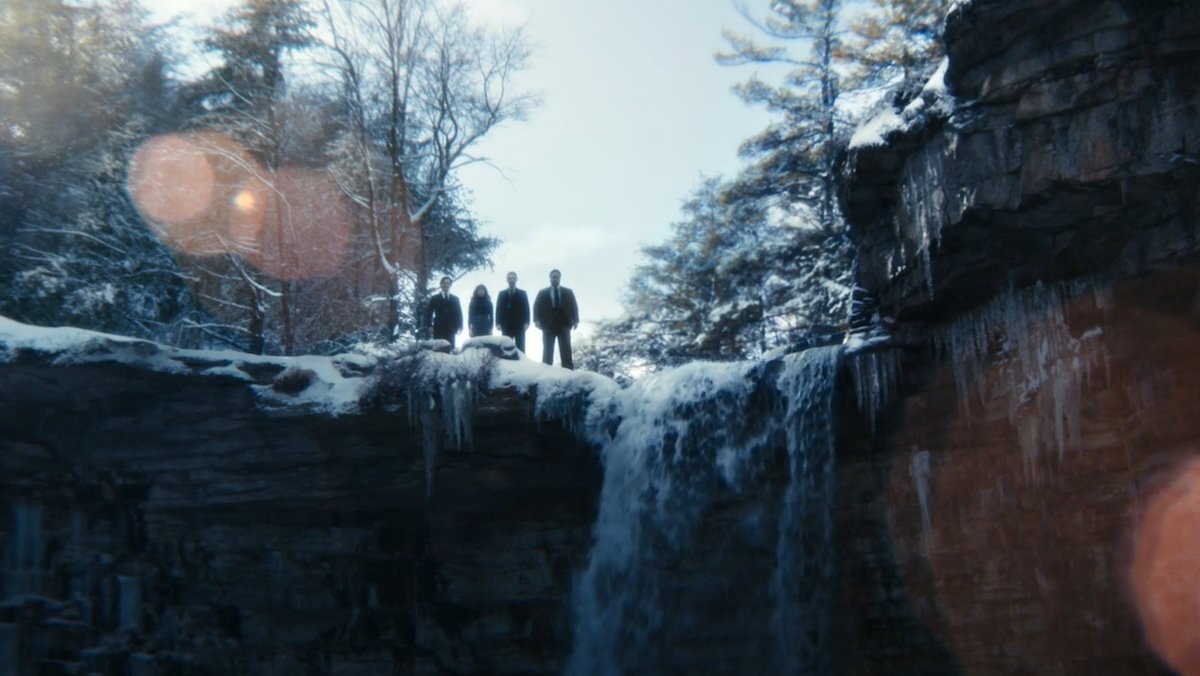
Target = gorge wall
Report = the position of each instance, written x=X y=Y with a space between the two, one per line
x=181 y=513
x=1026 y=505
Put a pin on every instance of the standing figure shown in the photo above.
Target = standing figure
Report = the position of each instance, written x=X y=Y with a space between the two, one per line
x=445 y=314
x=479 y=312
x=556 y=314
x=512 y=312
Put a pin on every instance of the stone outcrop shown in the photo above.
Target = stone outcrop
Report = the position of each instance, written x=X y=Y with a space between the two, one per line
x=1072 y=148
x=187 y=520
x=1034 y=247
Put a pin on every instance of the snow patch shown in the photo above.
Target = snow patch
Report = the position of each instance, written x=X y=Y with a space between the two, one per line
x=875 y=130
x=336 y=392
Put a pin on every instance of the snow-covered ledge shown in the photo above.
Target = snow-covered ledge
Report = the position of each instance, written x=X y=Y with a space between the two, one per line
x=169 y=504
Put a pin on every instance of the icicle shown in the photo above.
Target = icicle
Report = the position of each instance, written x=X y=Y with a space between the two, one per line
x=1025 y=337
x=876 y=377
x=9 y=642
x=457 y=405
x=129 y=603
x=919 y=470
x=27 y=549
x=429 y=442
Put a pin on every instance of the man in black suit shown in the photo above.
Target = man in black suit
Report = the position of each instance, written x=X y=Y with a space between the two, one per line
x=512 y=312
x=556 y=314
x=445 y=314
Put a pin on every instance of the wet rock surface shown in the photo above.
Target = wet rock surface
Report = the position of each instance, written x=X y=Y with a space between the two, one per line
x=992 y=523
x=159 y=523
x=1072 y=149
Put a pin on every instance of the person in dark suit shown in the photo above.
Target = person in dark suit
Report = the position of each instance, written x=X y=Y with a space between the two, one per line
x=445 y=314
x=512 y=312
x=556 y=313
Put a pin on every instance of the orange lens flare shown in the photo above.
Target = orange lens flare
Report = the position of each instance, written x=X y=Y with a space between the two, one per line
x=182 y=184
x=1166 y=571
x=170 y=179
x=205 y=195
x=299 y=221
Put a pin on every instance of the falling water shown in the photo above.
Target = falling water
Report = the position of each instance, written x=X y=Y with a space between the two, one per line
x=804 y=573
x=713 y=543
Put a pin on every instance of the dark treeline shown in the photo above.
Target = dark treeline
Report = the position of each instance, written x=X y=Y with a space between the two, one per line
x=294 y=197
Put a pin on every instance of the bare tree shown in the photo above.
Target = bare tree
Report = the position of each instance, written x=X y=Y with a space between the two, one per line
x=420 y=87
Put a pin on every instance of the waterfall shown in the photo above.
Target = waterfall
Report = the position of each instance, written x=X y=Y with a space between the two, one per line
x=713 y=542
x=804 y=574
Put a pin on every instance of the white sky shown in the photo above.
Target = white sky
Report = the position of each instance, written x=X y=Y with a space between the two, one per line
x=635 y=112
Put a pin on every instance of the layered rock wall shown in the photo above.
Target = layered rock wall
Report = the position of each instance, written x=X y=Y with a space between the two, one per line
x=169 y=523
x=1072 y=148
x=1033 y=246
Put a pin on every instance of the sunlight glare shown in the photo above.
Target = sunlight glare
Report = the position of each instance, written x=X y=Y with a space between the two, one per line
x=1165 y=565
x=244 y=200
x=301 y=224
x=170 y=179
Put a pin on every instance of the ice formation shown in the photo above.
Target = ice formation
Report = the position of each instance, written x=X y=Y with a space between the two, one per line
x=441 y=390
x=804 y=570
x=1024 y=340
x=920 y=471
x=876 y=377
x=918 y=224
x=686 y=439
x=129 y=603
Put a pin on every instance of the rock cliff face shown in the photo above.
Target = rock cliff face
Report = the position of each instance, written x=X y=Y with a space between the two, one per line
x=172 y=522
x=1033 y=246
x=1015 y=479
x=1072 y=148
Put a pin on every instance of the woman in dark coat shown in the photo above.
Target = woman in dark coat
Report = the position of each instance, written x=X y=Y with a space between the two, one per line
x=480 y=312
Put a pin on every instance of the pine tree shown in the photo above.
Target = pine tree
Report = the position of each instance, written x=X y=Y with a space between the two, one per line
x=794 y=180
x=895 y=40
x=74 y=84
x=736 y=278
x=799 y=150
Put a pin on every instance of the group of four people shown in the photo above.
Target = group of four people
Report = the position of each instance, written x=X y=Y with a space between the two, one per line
x=555 y=313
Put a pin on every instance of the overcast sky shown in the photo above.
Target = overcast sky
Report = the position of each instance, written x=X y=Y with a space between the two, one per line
x=635 y=112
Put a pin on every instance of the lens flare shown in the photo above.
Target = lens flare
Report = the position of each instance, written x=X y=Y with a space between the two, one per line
x=245 y=201
x=205 y=195
x=170 y=179
x=246 y=218
x=1166 y=571
x=183 y=185
x=299 y=221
